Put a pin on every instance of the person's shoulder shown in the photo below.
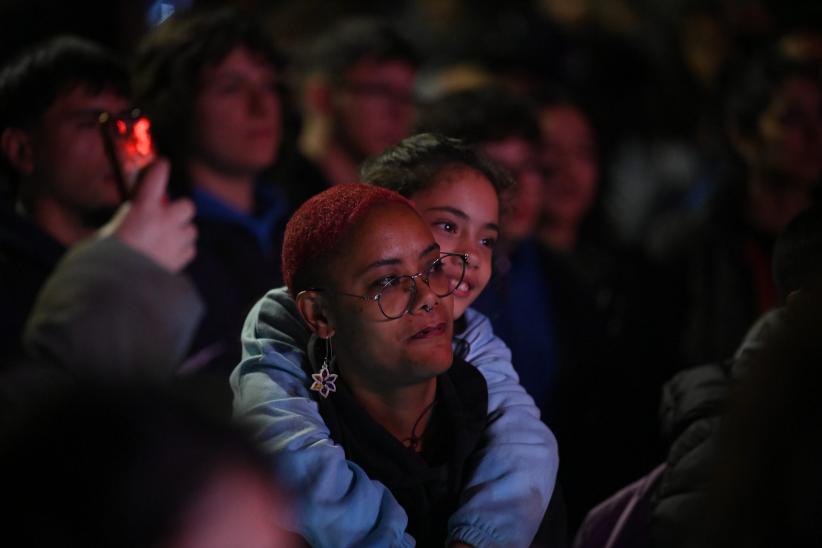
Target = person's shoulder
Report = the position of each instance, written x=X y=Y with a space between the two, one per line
x=24 y=241
x=271 y=309
x=475 y=321
x=463 y=374
x=693 y=394
x=278 y=301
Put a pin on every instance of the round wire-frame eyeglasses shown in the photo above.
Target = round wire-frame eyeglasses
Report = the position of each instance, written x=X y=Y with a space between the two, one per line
x=396 y=297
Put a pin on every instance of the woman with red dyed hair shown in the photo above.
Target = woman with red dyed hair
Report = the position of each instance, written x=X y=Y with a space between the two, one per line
x=370 y=281
x=510 y=480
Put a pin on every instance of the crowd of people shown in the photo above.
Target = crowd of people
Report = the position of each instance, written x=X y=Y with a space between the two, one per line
x=375 y=287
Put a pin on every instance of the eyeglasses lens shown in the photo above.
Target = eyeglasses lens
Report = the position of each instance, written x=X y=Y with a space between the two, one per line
x=443 y=276
x=446 y=274
x=396 y=296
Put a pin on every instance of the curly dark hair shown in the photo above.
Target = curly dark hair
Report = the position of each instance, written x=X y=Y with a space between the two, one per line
x=414 y=164
x=480 y=115
x=170 y=61
x=353 y=40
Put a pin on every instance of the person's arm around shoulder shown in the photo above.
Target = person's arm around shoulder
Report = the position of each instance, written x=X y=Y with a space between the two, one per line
x=337 y=503
x=514 y=473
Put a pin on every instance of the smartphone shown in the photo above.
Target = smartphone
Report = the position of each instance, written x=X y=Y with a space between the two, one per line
x=128 y=146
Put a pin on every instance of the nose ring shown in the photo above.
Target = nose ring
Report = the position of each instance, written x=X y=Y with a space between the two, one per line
x=427 y=307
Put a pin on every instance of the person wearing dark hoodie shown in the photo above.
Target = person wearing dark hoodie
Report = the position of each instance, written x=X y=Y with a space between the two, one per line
x=694 y=401
x=111 y=296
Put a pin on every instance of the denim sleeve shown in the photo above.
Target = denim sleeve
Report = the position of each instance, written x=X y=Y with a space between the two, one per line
x=514 y=473
x=337 y=504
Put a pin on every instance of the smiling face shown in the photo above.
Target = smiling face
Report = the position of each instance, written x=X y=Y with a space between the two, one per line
x=568 y=158
x=390 y=240
x=522 y=201
x=237 y=114
x=462 y=209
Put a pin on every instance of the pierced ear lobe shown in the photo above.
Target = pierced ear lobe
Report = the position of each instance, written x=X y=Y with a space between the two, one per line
x=16 y=146
x=313 y=310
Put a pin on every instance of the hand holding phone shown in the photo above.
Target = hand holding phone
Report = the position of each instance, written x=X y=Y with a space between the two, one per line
x=128 y=146
x=151 y=224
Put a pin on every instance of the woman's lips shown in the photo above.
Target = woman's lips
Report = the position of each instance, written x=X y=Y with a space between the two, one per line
x=431 y=331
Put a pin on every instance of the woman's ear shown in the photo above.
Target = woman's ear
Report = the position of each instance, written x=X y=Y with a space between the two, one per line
x=313 y=309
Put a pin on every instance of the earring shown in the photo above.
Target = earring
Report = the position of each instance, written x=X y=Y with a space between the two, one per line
x=324 y=381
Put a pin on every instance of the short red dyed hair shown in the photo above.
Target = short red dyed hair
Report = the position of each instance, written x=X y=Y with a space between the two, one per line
x=321 y=223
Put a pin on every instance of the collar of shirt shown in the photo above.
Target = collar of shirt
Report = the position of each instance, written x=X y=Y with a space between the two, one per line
x=269 y=205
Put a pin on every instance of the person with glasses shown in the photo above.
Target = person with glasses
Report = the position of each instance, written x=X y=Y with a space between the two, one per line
x=510 y=482
x=370 y=280
x=356 y=98
x=111 y=299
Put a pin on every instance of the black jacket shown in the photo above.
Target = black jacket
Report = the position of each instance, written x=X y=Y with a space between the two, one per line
x=27 y=258
x=427 y=485
x=693 y=403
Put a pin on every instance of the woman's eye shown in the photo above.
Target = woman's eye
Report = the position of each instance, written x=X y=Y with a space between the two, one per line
x=447 y=226
x=382 y=282
x=489 y=242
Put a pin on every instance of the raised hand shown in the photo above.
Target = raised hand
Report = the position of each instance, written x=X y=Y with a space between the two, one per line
x=149 y=223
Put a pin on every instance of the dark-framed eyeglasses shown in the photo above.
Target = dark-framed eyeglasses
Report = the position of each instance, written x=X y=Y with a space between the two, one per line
x=396 y=296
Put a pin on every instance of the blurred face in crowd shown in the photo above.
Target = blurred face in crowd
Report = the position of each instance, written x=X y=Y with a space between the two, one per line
x=520 y=204
x=374 y=108
x=462 y=209
x=568 y=159
x=237 y=509
x=789 y=141
x=237 y=116
x=62 y=158
x=391 y=240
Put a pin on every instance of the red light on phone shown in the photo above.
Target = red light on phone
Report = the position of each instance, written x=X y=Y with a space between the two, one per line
x=142 y=137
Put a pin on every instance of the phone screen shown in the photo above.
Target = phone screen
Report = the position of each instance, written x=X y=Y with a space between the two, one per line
x=128 y=146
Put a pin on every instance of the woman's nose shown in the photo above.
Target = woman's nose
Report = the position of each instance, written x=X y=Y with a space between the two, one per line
x=473 y=258
x=425 y=298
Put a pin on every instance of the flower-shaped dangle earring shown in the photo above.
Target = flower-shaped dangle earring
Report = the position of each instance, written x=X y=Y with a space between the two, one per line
x=324 y=381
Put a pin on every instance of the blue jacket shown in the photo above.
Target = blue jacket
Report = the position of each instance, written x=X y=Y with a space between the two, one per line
x=503 y=500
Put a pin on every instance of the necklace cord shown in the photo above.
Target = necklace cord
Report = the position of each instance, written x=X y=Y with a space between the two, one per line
x=413 y=441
